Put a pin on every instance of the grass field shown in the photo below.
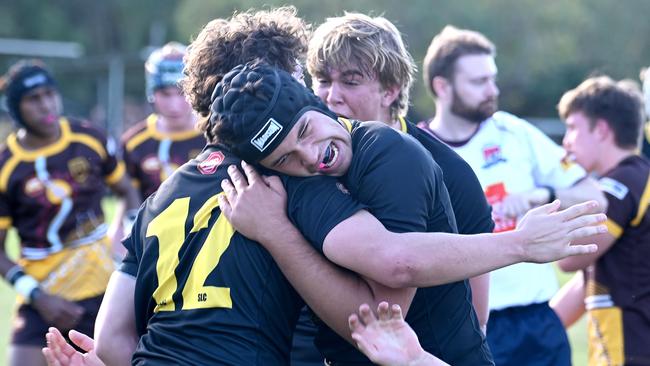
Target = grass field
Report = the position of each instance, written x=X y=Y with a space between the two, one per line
x=577 y=333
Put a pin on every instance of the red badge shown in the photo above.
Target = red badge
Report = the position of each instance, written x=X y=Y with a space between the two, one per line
x=211 y=163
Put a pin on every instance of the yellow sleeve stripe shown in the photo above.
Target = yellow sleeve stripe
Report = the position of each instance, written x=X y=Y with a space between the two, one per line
x=6 y=171
x=143 y=135
x=346 y=123
x=614 y=228
x=117 y=173
x=643 y=204
x=402 y=124
x=5 y=223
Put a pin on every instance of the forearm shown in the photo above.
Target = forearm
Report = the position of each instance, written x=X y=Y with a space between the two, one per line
x=115 y=334
x=480 y=294
x=430 y=259
x=331 y=291
x=585 y=190
x=568 y=303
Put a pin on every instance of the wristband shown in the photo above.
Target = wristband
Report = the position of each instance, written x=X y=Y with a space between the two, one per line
x=551 y=193
x=25 y=286
x=14 y=273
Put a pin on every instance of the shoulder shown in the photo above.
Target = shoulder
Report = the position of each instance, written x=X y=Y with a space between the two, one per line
x=134 y=130
x=630 y=175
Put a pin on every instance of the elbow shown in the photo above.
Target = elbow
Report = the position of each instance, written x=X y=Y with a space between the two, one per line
x=567 y=265
x=399 y=271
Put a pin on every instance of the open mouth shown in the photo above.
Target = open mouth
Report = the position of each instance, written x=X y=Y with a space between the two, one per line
x=330 y=157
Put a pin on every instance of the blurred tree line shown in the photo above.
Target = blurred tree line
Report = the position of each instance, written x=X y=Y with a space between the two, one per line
x=544 y=47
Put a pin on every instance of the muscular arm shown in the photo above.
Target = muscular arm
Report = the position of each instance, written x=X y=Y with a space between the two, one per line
x=115 y=334
x=331 y=291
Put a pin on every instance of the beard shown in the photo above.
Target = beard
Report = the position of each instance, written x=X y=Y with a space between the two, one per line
x=478 y=114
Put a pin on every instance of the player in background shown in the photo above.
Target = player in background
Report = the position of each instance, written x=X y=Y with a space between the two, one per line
x=518 y=167
x=54 y=172
x=603 y=124
x=156 y=146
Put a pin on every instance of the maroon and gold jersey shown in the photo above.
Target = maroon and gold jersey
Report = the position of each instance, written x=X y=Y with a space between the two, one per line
x=618 y=285
x=52 y=195
x=151 y=155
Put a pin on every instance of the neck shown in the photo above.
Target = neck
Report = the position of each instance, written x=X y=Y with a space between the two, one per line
x=170 y=125
x=450 y=127
x=610 y=158
x=31 y=141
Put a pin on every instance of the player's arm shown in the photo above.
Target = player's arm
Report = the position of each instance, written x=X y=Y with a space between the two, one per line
x=428 y=259
x=115 y=333
x=604 y=241
x=584 y=190
x=480 y=298
x=332 y=292
x=569 y=302
x=126 y=210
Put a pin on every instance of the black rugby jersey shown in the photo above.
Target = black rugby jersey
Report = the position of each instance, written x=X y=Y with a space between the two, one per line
x=400 y=184
x=205 y=295
x=151 y=155
x=618 y=284
x=645 y=144
x=52 y=195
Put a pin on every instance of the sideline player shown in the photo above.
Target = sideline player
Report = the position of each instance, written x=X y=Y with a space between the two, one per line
x=519 y=167
x=153 y=148
x=603 y=123
x=53 y=175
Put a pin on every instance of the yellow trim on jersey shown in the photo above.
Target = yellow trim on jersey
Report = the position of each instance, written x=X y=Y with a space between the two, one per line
x=117 y=173
x=5 y=223
x=152 y=131
x=346 y=123
x=606 y=340
x=20 y=154
x=615 y=229
x=402 y=124
x=643 y=204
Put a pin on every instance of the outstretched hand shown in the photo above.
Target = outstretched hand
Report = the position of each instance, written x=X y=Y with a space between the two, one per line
x=59 y=353
x=386 y=339
x=255 y=205
x=547 y=233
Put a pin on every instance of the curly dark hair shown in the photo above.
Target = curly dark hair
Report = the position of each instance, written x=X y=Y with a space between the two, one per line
x=277 y=37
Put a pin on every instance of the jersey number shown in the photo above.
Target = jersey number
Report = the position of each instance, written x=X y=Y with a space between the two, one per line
x=169 y=228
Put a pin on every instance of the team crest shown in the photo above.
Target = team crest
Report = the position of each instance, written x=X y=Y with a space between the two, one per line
x=79 y=169
x=211 y=163
x=492 y=156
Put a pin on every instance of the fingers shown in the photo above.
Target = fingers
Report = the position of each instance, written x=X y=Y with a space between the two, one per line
x=354 y=324
x=586 y=221
x=251 y=174
x=237 y=178
x=367 y=316
x=546 y=209
x=81 y=340
x=580 y=209
x=396 y=312
x=383 y=311
x=49 y=357
x=229 y=190
x=275 y=183
x=224 y=204
x=587 y=231
x=581 y=249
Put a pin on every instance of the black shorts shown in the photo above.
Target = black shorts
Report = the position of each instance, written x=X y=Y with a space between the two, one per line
x=29 y=328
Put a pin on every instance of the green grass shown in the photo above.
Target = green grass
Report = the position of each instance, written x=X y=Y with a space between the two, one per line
x=577 y=334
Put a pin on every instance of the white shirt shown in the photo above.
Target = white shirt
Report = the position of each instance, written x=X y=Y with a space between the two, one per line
x=509 y=155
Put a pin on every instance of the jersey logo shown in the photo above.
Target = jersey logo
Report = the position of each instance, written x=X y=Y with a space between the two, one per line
x=79 y=169
x=211 y=163
x=492 y=156
x=265 y=136
x=613 y=187
x=34 y=187
x=342 y=188
x=151 y=164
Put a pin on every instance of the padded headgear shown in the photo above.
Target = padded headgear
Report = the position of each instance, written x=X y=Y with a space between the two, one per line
x=164 y=67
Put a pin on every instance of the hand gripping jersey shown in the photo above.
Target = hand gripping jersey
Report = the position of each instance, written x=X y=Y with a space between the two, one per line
x=509 y=155
x=151 y=155
x=618 y=284
x=398 y=182
x=204 y=295
x=52 y=196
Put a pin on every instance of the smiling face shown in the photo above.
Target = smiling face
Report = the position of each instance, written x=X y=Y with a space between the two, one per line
x=351 y=94
x=40 y=109
x=316 y=145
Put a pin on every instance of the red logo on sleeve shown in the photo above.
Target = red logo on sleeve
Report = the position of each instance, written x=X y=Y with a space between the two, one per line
x=211 y=163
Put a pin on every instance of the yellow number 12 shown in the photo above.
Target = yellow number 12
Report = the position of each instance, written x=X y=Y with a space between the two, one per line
x=169 y=228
